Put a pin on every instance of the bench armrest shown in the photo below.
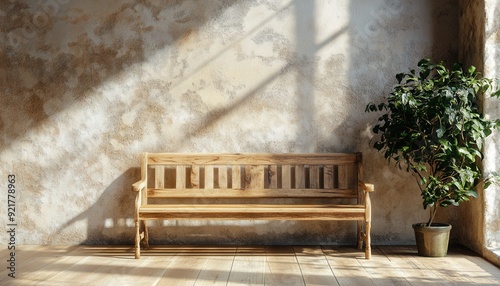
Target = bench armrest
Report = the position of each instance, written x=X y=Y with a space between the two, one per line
x=366 y=187
x=139 y=185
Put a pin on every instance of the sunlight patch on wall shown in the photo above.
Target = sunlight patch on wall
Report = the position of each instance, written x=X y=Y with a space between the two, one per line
x=492 y=111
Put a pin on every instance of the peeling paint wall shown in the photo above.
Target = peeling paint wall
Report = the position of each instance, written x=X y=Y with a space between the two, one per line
x=86 y=86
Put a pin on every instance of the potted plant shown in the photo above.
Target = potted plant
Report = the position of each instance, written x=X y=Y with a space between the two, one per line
x=432 y=126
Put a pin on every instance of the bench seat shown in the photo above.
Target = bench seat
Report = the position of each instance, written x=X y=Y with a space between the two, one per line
x=253 y=212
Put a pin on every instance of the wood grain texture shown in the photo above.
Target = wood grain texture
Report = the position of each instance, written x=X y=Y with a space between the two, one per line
x=286 y=176
x=282 y=267
x=314 y=177
x=342 y=175
x=195 y=177
x=300 y=177
x=272 y=176
x=223 y=179
x=314 y=266
x=255 y=193
x=254 y=177
x=209 y=177
x=159 y=177
x=236 y=178
x=251 y=159
x=328 y=177
x=180 y=177
x=253 y=211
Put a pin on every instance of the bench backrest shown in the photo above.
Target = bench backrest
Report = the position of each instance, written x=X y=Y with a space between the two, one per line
x=319 y=175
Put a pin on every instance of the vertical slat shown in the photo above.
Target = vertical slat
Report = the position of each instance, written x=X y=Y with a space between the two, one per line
x=209 y=177
x=328 y=177
x=195 y=177
x=343 y=177
x=273 y=176
x=367 y=203
x=180 y=177
x=314 y=177
x=254 y=177
x=286 y=176
x=223 y=177
x=159 y=177
x=300 y=177
x=144 y=175
x=359 y=166
x=236 y=177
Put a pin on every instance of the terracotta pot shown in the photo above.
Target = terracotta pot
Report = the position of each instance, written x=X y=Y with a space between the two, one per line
x=432 y=240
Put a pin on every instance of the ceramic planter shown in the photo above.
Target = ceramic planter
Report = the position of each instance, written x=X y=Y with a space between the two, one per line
x=432 y=240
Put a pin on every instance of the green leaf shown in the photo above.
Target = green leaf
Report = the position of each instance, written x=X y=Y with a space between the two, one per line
x=466 y=153
x=400 y=77
x=423 y=63
x=472 y=70
x=440 y=132
x=485 y=88
x=379 y=146
x=472 y=193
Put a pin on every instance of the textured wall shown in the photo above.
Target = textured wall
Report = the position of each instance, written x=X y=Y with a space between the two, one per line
x=492 y=146
x=88 y=85
x=480 y=45
x=471 y=49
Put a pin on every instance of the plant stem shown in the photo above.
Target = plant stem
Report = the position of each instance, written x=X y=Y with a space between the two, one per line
x=433 y=211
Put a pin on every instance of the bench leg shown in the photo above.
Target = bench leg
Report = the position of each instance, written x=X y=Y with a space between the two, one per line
x=137 y=240
x=360 y=234
x=145 y=239
x=368 y=248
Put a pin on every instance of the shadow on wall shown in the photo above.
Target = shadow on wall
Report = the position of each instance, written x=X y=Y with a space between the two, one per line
x=111 y=221
x=57 y=53
x=389 y=37
x=111 y=218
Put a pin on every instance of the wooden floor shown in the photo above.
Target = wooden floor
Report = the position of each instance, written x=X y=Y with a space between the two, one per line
x=244 y=265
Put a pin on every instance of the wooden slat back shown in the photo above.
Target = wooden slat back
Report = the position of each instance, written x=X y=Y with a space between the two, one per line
x=223 y=179
x=252 y=159
x=195 y=177
x=253 y=175
x=236 y=178
x=159 y=177
x=286 y=176
x=209 y=177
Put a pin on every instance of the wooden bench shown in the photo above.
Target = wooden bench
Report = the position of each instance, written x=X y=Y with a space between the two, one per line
x=302 y=180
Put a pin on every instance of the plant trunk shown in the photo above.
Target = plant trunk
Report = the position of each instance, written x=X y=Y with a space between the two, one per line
x=433 y=211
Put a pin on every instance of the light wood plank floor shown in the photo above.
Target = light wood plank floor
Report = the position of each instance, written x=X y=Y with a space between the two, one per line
x=243 y=265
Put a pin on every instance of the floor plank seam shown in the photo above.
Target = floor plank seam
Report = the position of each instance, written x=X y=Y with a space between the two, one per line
x=329 y=264
x=300 y=267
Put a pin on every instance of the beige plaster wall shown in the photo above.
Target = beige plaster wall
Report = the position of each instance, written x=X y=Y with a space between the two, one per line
x=471 y=52
x=492 y=147
x=86 y=86
x=480 y=46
